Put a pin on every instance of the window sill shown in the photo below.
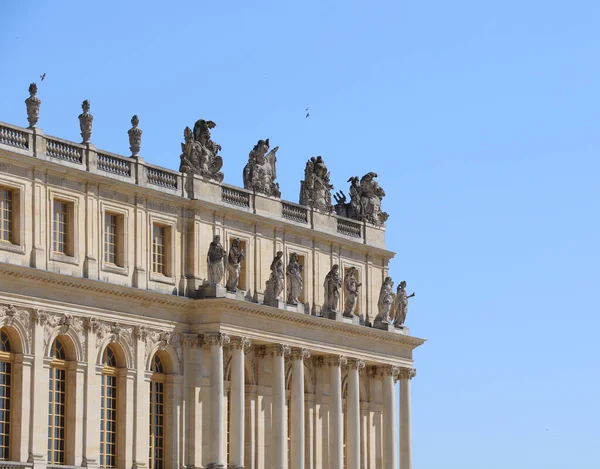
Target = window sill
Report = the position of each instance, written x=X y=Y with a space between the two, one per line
x=115 y=269
x=59 y=257
x=10 y=247
x=162 y=278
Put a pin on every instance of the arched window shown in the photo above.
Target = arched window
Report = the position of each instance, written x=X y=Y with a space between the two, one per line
x=57 y=404
x=157 y=414
x=6 y=359
x=108 y=410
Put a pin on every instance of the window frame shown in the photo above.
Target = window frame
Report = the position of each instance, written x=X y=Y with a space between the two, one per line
x=72 y=254
x=109 y=371
x=122 y=267
x=17 y=243
x=62 y=365
x=168 y=275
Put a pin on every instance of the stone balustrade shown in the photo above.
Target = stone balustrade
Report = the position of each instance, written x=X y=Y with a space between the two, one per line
x=135 y=170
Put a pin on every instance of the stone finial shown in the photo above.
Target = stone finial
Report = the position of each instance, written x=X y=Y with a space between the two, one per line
x=135 y=136
x=85 y=122
x=33 y=106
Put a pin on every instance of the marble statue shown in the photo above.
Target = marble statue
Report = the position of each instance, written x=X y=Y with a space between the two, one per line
x=135 y=136
x=351 y=287
x=199 y=153
x=315 y=190
x=85 y=122
x=401 y=304
x=274 y=285
x=365 y=200
x=260 y=172
x=294 y=280
x=33 y=106
x=332 y=286
x=234 y=264
x=214 y=258
x=386 y=301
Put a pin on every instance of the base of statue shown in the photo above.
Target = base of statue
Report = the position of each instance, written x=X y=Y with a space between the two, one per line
x=215 y=465
x=274 y=302
x=383 y=325
x=297 y=308
x=351 y=319
x=402 y=330
x=211 y=291
x=333 y=315
x=239 y=295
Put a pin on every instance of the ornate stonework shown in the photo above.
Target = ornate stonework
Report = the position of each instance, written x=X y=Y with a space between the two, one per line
x=33 y=106
x=199 y=154
x=135 y=136
x=215 y=338
x=365 y=200
x=261 y=171
x=298 y=353
x=85 y=122
x=315 y=189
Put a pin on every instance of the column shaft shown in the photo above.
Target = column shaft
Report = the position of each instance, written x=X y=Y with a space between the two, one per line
x=390 y=455
x=297 y=423
x=237 y=418
x=336 y=423
x=353 y=415
x=405 y=444
x=217 y=453
x=279 y=417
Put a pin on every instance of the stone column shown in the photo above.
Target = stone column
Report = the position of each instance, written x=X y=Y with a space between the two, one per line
x=141 y=421
x=237 y=418
x=297 y=402
x=215 y=342
x=336 y=422
x=192 y=430
x=173 y=417
x=38 y=439
x=390 y=454
x=91 y=419
x=405 y=375
x=353 y=414
x=279 y=418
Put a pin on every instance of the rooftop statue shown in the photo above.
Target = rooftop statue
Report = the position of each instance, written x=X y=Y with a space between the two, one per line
x=33 y=106
x=199 y=153
x=385 y=302
x=365 y=200
x=274 y=285
x=315 y=189
x=85 y=122
x=260 y=172
x=351 y=286
x=401 y=304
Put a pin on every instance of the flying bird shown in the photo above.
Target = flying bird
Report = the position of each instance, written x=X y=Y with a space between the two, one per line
x=42 y=77
x=307 y=114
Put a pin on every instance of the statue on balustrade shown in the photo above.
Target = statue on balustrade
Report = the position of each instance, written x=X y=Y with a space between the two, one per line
x=85 y=122
x=294 y=280
x=401 y=304
x=315 y=190
x=260 y=172
x=351 y=287
x=386 y=301
x=332 y=285
x=365 y=200
x=234 y=264
x=199 y=153
x=33 y=106
x=215 y=256
x=274 y=285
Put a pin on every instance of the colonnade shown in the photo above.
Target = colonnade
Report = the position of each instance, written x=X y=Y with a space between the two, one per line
x=335 y=363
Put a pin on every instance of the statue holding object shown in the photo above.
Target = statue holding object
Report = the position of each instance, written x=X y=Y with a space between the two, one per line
x=274 y=285
x=401 y=304
x=332 y=287
x=365 y=200
x=214 y=259
x=315 y=190
x=199 y=154
x=234 y=264
x=351 y=287
x=294 y=280
x=386 y=301
x=260 y=172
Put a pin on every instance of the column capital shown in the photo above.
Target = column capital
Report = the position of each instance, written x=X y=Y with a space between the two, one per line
x=276 y=350
x=407 y=373
x=334 y=360
x=355 y=364
x=300 y=353
x=387 y=370
x=215 y=338
x=239 y=343
x=191 y=340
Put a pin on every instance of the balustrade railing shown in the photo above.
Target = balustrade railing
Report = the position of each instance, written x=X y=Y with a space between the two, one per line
x=294 y=212
x=114 y=164
x=234 y=196
x=13 y=137
x=163 y=178
x=15 y=465
x=349 y=228
x=64 y=151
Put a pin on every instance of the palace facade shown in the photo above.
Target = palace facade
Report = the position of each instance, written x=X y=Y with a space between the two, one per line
x=123 y=346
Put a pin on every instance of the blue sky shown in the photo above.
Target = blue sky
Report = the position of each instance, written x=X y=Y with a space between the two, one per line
x=482 y=121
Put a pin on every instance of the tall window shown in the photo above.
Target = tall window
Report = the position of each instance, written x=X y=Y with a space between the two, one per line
x=6 y=215
x=57 y=394
x=60 y=227
x=159 y=249
x=157 y=415
x=111 y=239
x=108 y=410
x=6 y=358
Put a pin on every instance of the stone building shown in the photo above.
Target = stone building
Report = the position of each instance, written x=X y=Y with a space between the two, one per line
x=121 y=348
